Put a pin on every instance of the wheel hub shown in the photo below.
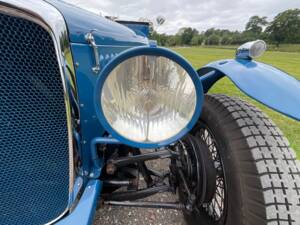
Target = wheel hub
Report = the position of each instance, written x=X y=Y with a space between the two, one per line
x=215 y=207
x=196 y=172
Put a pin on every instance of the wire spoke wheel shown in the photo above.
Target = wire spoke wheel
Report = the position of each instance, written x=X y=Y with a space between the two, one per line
x=216 y=207
x=253 y=183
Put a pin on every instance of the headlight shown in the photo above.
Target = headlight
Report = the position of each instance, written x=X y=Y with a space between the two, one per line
x=149 y=99
x=253 y=49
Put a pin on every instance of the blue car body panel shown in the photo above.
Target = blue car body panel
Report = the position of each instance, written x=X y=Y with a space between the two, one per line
x=84 y=212
x=106 y=32
x=268 y=85
x=111 y=38
x=140 y=28
x=86 y=81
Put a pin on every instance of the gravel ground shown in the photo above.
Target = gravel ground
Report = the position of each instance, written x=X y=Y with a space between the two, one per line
x=112 y=215
x=133 y=216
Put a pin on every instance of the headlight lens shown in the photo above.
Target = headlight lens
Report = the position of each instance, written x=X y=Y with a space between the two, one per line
x=258 y=48
x=148 y=99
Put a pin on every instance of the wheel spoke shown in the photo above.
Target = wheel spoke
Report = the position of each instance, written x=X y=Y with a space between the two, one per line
x=215 y=208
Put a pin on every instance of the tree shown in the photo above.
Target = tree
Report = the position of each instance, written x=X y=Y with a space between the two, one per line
x=226 y=40
x=256 y=25
x=171 y=41
x=197 y=40
x=187 y=34
x=160 y=38
x=178 y=39
x=285 y=27
x=213 y=40
x=209 y=32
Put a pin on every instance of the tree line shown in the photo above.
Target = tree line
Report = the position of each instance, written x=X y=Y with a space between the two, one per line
x=284 y=28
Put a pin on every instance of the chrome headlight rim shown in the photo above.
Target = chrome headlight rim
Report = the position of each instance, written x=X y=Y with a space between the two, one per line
x=148 y=51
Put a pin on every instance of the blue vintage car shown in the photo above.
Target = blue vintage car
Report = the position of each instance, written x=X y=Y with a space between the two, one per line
x=86 y=102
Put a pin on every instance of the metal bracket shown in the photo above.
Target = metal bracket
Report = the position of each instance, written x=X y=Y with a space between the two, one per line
x=147 y=204
x=112 y=164
x=89 y=37
x=135 y=195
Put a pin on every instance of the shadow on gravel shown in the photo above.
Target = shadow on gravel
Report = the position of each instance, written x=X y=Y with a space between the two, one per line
x=111 y=215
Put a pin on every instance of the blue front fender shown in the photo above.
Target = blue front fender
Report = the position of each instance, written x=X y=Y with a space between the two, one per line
x=264 y=83
x=84 y=212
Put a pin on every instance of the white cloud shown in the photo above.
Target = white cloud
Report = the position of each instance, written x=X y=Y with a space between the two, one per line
x=200 y=14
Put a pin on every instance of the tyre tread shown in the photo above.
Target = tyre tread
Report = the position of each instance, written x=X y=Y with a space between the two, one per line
x=277 y=168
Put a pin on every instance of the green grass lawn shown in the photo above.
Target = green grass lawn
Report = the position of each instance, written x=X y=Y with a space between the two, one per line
x=288 y=61
x=280 y=48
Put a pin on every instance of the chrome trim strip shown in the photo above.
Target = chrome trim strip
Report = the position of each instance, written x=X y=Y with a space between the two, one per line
x=52 y=20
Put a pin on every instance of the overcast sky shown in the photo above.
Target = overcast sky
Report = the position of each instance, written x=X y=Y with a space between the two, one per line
x=200 y=14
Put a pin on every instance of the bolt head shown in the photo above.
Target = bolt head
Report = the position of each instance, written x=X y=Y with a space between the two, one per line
x=110 y=169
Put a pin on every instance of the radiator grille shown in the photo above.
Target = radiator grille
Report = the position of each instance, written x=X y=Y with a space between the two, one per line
x=34 y=167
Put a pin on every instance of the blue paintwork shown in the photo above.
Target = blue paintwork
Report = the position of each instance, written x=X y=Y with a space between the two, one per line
x=268 y=85
x=106 y=32
x=98 y=162
x=140 y=28
x=85 y=210
x=156 y=52
x=112 y=39
x=89 y=124
x=243 y=54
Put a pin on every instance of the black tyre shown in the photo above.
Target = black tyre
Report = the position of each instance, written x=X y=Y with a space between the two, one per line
x=258 y=182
